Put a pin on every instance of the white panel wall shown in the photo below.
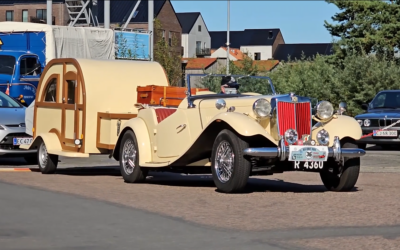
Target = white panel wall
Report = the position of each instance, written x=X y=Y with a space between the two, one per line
x=266 y=51
x=203 y=36
x=185 y=44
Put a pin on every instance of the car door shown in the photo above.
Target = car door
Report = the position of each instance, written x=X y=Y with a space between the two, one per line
x=173 y=135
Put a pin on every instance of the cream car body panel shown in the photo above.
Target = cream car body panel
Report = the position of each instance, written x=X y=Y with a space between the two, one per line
x=138 y=126
x=342 y=126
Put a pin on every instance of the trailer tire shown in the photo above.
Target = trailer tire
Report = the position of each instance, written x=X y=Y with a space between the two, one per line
x=47 y=162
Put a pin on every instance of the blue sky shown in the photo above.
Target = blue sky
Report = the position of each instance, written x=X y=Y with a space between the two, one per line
x=299 y=21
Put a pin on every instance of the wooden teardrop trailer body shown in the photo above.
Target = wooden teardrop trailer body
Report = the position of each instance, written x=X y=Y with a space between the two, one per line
x=81 y=103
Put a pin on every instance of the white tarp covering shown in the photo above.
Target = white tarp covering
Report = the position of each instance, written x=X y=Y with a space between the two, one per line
x=66 y=42
x=29 y=118
x=74 y=42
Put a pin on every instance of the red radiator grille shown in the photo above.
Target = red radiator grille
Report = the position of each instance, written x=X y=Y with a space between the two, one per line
x=295 y=116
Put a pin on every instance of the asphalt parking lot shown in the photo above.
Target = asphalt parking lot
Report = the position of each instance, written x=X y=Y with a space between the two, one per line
x=86 y=205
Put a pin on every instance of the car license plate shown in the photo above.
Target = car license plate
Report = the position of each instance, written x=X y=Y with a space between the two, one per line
x=308 y=153
x=385 y=133
x=22 y=140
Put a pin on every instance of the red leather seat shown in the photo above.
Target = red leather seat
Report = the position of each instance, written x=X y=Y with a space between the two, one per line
x=163 y=113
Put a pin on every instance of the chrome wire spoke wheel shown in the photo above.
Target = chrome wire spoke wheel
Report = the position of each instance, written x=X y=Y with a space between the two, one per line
x=43 y=155
x=224 y=162
x=129 y=157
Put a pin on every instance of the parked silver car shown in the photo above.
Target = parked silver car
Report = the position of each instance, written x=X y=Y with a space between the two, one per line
x=12 y=130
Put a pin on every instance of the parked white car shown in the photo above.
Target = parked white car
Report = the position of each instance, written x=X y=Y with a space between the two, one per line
x=12 y=130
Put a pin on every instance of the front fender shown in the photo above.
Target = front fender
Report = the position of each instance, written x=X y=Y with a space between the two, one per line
x=138 y=126
x=242 y=124
x=342 y=126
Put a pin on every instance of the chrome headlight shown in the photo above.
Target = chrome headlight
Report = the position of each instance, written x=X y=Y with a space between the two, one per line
x=323 y=137
x=324 y=110
x=360 y=122
x=262 y=108
x=291 y=136
x=367 y=122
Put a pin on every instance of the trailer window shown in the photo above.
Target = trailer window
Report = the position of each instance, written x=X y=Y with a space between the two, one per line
x=28 y=66
x=51 y=91
x=71 y=91
x=7 y=64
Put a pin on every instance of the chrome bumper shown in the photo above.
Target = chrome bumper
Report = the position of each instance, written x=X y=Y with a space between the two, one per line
x=282 y=152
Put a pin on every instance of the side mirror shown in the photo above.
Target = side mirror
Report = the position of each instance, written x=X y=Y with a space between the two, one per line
x=342 y=107
x=38 y=68
x=364 y=106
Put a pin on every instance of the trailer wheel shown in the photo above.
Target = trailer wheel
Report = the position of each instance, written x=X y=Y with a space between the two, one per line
x=47 y=162
x=129 y=159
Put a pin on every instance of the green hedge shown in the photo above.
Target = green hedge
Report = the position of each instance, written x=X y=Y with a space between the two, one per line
x=354 y=80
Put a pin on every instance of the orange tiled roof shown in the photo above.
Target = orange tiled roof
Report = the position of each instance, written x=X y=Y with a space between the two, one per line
x=237 y=53
x=199 y=63
x=261 y=64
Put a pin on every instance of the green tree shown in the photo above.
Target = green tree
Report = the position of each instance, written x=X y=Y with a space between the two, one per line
x=366 y=26
x=168 y=54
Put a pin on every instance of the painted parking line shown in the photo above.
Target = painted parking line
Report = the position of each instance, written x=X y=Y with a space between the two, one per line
x=18 y=170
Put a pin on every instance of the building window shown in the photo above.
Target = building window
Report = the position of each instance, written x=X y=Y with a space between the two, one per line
x=257 y=56
x=163 y=34
x=199 y=27
x=25 y=16
x=9 y=15
x=41 y=14
x=170 y=38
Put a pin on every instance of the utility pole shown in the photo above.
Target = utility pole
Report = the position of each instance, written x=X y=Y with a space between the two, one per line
x=49 y=12
x=107 y=14
x=227 y=43
x=151 y=28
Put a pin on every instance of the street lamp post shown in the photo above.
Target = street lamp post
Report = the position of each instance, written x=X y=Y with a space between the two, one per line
x=227 y=41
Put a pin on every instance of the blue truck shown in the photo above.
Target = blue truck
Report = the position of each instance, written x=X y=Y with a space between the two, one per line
x=22 y=59
x=25 y=48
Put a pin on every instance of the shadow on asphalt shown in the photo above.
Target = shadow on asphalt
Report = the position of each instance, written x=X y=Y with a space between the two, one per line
x=89 y=171
x=255 y=185
x=12 y=161
x=387 y=148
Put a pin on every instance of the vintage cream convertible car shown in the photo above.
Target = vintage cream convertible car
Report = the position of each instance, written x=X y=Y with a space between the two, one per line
x=234 y=136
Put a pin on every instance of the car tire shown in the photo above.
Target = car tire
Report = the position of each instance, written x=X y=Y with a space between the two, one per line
x=347 y=176
x=31 y=159
x=240 y=168
x=47 y=162
x=129 y=152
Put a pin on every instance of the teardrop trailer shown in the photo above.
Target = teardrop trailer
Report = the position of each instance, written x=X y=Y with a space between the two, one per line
x=81 y=103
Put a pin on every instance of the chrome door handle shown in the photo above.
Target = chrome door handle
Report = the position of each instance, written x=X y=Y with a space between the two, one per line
x=182 y=126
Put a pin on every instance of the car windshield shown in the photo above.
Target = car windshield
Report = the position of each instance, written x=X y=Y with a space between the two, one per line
x=7 y=65
x=386 y=100
x=246 y=84
x=8 y=102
